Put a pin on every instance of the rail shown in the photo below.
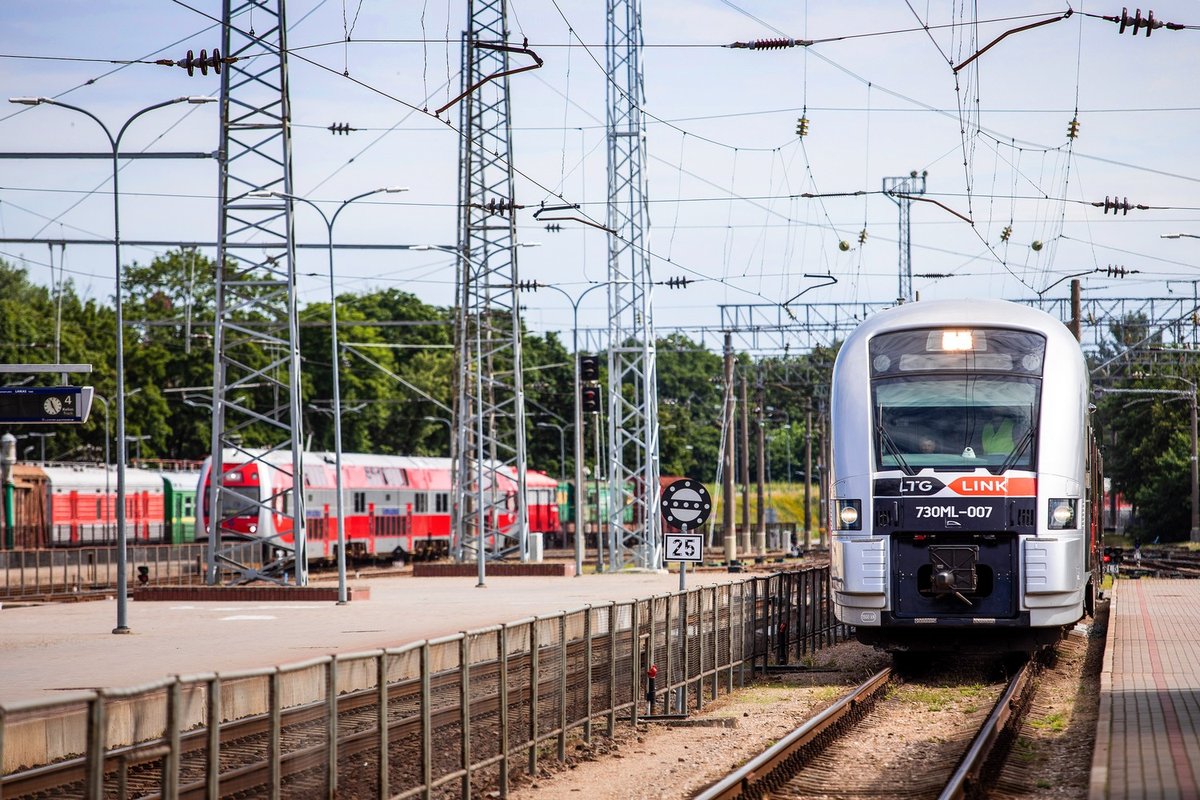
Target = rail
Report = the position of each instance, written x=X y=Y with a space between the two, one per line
x=460 y=713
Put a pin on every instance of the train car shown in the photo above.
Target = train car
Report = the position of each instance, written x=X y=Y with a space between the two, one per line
x=965 y=489
x=81 y=505
x=179 y=505
x=395 y=506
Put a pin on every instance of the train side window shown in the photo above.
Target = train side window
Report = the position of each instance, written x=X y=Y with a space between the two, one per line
x=443 y=501
x=422 y=503
x=360 y=502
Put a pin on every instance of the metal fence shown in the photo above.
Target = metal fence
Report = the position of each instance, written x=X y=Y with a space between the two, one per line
x=78 y=570
x=449 y=717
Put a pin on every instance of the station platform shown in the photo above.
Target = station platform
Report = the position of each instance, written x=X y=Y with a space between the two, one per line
x=47 y=650
x=1148 y=730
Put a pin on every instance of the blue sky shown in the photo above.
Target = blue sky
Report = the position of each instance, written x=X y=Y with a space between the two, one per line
x=725 y=166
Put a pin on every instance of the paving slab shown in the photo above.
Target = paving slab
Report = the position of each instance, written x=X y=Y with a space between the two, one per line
x=1148 y=731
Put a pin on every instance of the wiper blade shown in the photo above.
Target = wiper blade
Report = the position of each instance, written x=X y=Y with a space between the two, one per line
x=891 y=445
x=1017 y=452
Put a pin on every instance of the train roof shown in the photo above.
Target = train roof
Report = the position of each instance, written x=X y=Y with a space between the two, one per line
x=182 y=481
x=68 y=478
x=964 y=313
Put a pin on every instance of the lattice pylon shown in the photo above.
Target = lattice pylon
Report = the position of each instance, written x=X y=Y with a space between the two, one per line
x=490 y=405
x=634 y=529
x=256 y=400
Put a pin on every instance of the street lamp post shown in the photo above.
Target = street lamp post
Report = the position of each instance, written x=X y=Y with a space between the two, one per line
x=562 y=452
x=449 y=426
x=115 y=143
x=337 y=395
x=107 y=503
x=580 y=494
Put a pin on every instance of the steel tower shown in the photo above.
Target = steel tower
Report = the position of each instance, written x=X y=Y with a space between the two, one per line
x=256 y=399
x=490 y=405
x=900 y=190
x=632 y=387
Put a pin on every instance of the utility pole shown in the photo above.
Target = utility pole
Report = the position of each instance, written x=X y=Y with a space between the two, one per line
x=1076 y=323
x=727 y=461
x=744 y=464
x=808 y=465
x=760 y=543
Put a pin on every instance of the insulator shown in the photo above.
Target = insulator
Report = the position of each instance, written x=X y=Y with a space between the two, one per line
x=862 y=236
x=769 y=44
x=554 y=227
x=1006 y=233
x=528 y=286
x=1073 y=129
x=190 y=62
x=340 y=128
x=1136 y=22
x=1114 y=205
x=802 y=126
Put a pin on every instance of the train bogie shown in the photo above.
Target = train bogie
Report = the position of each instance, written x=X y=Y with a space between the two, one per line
x=965 y=490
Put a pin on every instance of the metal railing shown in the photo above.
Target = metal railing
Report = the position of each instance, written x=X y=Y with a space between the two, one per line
x=70 y=571
x=454 y=715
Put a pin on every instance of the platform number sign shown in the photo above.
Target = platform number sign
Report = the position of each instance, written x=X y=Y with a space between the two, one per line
x=684 y=547
x=686 y=504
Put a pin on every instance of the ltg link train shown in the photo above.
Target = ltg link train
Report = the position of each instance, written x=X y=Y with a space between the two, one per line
x=966 y=488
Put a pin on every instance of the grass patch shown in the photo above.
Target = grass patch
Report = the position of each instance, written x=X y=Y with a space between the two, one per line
x=1055 y=722
x=941 y=697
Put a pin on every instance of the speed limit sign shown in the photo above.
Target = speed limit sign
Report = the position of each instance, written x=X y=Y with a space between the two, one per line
x=684 y=547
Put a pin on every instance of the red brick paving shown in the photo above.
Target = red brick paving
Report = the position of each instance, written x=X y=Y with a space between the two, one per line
x=1148 y=731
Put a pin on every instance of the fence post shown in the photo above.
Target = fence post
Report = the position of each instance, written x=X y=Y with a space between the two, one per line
x=587 y=659
x=464 y=703
x=170 y=775
x=212 y=788
x=331 y=729
x=381 y=700
x=562 y=686
x=504 y=711
x=274 y=749
x=612 y=669
x=635 y=676
x=426 y=722
x=534 y=679
x=96 y=739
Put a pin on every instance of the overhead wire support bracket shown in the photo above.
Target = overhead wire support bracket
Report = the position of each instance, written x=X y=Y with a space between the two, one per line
x=1006 y=34
x=937 y=203
x=502 y=47
x=829 y=279
x=544 y=209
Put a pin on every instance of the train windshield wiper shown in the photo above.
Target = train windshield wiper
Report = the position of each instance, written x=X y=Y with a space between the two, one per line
x=1017 y=452
x=890 y=444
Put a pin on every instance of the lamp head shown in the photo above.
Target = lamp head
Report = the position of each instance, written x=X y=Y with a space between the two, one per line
x=394 y=189
x=263 y=193
x=198 y=101
x=27 y=101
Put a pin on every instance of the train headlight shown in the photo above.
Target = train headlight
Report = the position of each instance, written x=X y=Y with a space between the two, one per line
x=254 y=529
x=849 y=515
x=1062 y=514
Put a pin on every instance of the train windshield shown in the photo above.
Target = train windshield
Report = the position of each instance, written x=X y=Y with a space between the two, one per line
x=956 y=400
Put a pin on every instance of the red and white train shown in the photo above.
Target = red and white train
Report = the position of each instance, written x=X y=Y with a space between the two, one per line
x=395 y=506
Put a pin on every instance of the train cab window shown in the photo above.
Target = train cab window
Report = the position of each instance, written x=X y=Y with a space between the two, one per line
x=956 y=400
x=360 y=502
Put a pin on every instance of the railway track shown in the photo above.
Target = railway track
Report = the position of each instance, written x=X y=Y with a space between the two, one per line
x=948 y=764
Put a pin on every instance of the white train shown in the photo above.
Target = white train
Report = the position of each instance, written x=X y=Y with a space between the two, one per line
x=966 y=490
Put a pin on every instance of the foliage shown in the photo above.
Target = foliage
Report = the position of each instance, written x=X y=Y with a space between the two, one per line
x=396 y=376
